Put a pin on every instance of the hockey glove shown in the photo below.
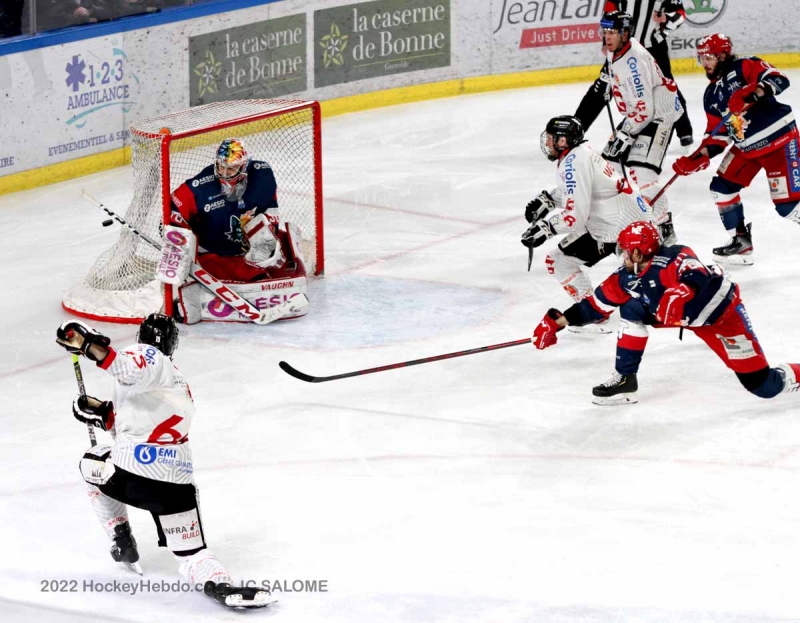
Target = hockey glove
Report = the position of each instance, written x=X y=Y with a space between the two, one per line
x=97 y=413
x=539 y=207
x=741 y=98
x=602 y=86
x=77 y=337
x=544 y=334
x=536 y=234
x=618 y=145
x=686 y=165
x=670 y=309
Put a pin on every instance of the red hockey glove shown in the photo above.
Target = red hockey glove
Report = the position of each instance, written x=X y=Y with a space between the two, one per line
x=741 y=98
x=544 y=334
x=686 y=165
x=670 y=309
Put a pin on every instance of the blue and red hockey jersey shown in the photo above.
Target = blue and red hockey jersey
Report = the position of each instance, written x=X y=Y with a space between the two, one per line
x=765 y=126
x=199 y=204
x=713 y=292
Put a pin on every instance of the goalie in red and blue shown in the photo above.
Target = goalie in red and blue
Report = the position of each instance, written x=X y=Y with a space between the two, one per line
x=226 y=218
x=667 y=286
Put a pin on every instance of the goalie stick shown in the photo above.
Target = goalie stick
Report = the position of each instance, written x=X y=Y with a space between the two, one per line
x=212 y=284
x=308 y=378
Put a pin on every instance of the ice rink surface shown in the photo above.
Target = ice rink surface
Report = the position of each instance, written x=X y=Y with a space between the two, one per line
x=485 y=488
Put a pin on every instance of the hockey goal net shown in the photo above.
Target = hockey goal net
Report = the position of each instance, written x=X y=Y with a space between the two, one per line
x=168 y=150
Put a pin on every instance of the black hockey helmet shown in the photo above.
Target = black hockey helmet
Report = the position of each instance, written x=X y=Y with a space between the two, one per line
x=160 y=331
x=567 y=126
x=617 y=20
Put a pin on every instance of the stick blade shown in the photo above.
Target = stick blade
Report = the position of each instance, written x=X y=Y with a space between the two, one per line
x=297 y=374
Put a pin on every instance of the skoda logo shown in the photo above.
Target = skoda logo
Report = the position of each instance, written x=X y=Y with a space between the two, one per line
x=704 y=12
x=145 y=454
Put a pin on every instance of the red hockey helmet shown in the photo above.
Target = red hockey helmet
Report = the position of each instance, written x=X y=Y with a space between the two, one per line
x=639 y=235
x=714 y=45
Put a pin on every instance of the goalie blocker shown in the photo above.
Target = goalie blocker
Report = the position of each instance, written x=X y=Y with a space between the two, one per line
x=273 y=255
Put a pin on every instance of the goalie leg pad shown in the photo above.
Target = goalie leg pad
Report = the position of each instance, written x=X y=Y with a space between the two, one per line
x=196 y=303
x=190 y=302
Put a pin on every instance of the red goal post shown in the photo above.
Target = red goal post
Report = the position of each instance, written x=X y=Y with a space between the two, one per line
x=169 y=149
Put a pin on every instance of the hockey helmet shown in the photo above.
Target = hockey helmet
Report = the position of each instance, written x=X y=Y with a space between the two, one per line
x=619 y=21
x=640 y=235
x=714 y=45
x=567 y=126
x=230 y=168
x=160 y=331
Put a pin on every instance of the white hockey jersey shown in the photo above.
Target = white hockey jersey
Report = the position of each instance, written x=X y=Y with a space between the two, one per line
x=641 y=91
x=593 y=197
x=153 y=410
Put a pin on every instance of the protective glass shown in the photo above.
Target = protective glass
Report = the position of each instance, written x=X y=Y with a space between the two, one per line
x=549 y=153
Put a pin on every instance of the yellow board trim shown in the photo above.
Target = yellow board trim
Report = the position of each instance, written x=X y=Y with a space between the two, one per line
x=353 y=103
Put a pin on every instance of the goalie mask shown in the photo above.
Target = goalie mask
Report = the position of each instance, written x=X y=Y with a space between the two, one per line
x=230 y=168
x=160 y=331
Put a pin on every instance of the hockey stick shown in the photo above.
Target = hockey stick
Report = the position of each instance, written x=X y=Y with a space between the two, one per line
x=702 y=145
x=211 y=283
x=76 y=365
x=614 y=134
x=393 y=366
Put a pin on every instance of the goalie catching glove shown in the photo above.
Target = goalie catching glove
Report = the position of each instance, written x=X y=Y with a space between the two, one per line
x=539 y=207
x=77 y=337
x=97 y=413
x=265 y=248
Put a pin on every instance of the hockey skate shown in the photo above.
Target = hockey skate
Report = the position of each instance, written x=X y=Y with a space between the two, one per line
x=124 y=548
x=620 y=389
x=238 y=596
x=594 y=328
x=667 y=232
x=791 y=377
x=739 y=250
